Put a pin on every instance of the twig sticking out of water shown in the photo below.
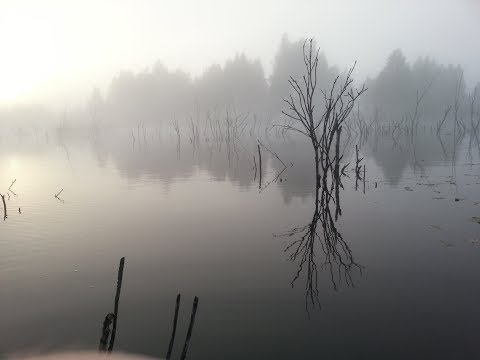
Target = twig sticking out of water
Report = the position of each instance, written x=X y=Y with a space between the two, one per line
x=358 y=160
x=190 y=328
x=56 y=196
x=358 y=168
x=13 y=182
x=278 y=174
x=174 y=330
x=117 y=299
x=4 y=207
x=271 y=152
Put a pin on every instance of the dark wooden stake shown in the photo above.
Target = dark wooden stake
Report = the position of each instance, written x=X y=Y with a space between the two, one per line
x=117 y=299
x=102 y=347
x=174 y=330
x=4 y=207
x=190 y=327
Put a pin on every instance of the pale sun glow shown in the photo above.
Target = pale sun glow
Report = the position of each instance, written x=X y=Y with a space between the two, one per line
x=30 y=54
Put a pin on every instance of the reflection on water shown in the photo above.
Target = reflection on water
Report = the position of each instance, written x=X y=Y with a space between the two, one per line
x=191 y=218
x=320 y=236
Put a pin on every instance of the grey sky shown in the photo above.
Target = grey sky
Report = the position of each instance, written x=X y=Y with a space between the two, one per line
x=57 y=51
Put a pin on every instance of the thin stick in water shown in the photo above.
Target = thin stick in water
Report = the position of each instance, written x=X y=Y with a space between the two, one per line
x=58 y=194
x=13 y=182
x=364 y=179
x=271 y=152
x=259 y=166
x=4 y=207
x=117 y=299
x=174 y=330
x=190 y=328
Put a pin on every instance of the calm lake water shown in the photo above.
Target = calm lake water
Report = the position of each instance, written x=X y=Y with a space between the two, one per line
x=192 y=220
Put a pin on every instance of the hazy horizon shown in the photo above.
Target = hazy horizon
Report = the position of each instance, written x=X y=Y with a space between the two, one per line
x=55 y=53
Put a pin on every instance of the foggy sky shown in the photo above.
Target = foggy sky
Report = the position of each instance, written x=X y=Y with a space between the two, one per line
x=55 y=52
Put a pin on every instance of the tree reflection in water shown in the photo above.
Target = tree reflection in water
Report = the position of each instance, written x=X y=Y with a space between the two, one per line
x=320 y=246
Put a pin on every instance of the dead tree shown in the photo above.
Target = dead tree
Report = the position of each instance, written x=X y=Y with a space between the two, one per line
x=320 y=128
x=323 y=128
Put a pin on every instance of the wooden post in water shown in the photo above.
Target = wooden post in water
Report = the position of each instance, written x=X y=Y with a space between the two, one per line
x=4 y=207
x=172 y=337
x=190 y=327
x=102 y=347
x=117 y=299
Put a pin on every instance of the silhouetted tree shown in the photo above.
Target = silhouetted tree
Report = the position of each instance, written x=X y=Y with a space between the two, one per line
x=322 y=127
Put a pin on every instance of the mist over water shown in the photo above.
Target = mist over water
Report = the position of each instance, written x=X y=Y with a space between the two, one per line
x=341 y=225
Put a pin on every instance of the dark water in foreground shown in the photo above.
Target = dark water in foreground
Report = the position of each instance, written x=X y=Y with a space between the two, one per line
x=193 y=221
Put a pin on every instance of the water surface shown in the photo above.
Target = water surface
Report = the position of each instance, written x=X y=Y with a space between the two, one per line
x=194 y=220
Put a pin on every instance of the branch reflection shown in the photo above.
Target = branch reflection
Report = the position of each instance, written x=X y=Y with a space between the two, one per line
x=319 y=246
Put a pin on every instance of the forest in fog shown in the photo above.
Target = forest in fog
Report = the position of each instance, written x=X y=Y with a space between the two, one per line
x=159 y=95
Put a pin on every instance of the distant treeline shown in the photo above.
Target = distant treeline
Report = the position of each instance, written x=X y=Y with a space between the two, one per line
x=241 y=86
x=397 y=88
